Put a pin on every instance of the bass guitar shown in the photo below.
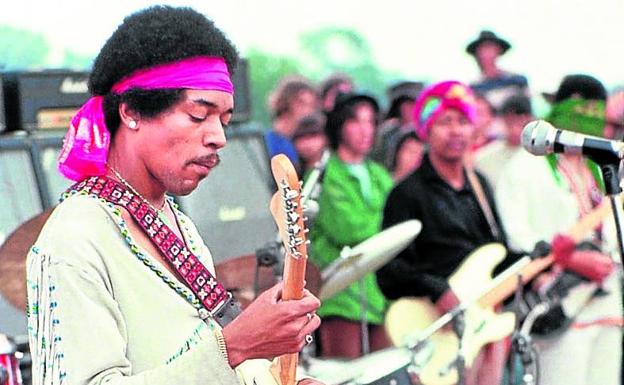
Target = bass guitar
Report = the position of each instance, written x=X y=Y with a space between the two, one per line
x=407 y=317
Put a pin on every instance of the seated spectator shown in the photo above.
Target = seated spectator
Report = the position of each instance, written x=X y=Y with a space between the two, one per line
x=293 y=98
x=310 y=141
x=399 y=120
x=333 y=85
x=491 y=159
x=408 y=153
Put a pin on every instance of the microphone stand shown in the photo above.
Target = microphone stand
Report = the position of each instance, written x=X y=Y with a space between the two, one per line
x=309 y=189
x=613 y=190
x=522 y=346
x=271 y=254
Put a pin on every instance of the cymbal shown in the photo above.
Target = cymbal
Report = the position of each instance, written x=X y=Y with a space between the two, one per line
x=13 y=259
x=367 y=257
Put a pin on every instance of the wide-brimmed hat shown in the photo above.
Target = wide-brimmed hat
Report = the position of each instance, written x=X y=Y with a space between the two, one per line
x=484 y=36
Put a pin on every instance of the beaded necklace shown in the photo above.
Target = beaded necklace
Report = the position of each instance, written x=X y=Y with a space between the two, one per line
x=131 y=188
x=216 y=302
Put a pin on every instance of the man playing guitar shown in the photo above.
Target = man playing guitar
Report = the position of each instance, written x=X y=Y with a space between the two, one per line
x=539 y=198
x=455 y=205
x=121 y=288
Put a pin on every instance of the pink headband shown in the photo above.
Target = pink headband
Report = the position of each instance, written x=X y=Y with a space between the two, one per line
x=437 y=98
x=85 y=148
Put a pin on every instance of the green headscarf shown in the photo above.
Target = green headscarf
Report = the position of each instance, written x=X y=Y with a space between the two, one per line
x=579 y=115
x=583 y=116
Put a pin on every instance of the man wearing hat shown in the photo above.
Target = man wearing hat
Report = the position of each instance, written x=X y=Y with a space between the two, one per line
x=540 y=198
x=456 y=208
x=495 y=83
x=353 y=192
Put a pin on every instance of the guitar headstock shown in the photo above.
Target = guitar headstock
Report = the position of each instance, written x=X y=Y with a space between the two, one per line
x=286 y=207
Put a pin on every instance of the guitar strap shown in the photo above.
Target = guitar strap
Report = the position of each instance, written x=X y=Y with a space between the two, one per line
x=483 y=203
x=214 y=300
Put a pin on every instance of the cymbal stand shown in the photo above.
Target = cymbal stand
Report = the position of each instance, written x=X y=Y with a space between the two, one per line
x=522 y=347
x=364 y=335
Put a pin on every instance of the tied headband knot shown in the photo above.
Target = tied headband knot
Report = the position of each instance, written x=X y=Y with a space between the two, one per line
x=86 y=144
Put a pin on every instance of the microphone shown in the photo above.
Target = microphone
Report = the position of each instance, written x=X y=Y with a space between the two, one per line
x=541 y=138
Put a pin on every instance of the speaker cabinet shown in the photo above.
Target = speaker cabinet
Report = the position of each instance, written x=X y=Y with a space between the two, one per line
x=231 y=206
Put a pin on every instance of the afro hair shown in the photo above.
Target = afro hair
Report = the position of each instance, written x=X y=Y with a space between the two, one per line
x=155 y=35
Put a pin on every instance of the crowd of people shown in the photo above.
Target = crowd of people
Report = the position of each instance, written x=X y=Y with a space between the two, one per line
x=117 y=253
x=449 y=154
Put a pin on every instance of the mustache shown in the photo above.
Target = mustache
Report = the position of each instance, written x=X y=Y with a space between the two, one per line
x=210 y=160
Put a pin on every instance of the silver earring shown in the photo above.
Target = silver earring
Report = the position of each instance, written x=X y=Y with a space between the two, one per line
x=132 y=124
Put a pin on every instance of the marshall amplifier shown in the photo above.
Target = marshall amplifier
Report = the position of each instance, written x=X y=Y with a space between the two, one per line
x=43 y=100
x=242 y=96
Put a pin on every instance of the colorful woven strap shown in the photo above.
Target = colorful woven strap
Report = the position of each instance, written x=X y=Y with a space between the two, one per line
x=212 y=295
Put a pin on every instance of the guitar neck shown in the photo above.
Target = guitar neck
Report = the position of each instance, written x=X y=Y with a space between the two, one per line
x=294 y=277
x=577 y=232
x=508 y=286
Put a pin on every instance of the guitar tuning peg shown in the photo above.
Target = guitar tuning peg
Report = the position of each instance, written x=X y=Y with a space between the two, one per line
x=306 y=231
x=307 y=242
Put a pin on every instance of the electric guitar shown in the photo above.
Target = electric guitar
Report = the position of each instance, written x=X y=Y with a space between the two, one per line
x=408 y=316
x=287 y=212
x=288 y=215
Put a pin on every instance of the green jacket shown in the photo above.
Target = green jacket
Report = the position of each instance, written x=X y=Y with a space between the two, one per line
x=346 y=218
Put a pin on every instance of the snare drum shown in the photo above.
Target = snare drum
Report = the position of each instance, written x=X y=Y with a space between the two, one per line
x=389 y=367
x=394 y=366
x=9 y=362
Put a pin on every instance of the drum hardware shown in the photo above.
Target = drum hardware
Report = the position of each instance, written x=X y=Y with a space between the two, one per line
x=522 y=346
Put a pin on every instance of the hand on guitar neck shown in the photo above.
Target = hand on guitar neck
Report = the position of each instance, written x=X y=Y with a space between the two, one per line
x=278 y=323
x=590 y=264
x=270 y=327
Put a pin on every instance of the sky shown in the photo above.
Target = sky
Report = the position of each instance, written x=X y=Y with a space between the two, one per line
x=422 y=40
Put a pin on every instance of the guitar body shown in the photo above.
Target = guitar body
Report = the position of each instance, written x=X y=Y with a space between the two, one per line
x=566 y=296
x=409 y=316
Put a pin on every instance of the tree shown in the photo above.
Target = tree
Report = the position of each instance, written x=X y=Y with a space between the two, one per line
x=22 y=49
x=265 y=71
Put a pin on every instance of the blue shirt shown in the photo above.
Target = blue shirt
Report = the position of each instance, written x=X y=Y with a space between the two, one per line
x=279 y=144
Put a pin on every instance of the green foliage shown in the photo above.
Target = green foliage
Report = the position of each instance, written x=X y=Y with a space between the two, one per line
x=322 y=52
x=77 y=61
x=265 y=72
x=27 y=50
x=21 y=49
